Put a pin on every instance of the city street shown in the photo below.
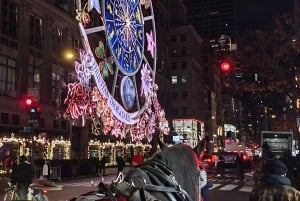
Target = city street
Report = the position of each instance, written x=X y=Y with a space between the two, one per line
x=225 y=188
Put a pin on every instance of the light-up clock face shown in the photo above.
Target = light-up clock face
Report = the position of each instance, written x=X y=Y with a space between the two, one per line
x=127 y=92
x=125 y=33
x=122 y=97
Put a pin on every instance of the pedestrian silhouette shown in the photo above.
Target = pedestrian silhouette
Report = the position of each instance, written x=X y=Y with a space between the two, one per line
x=274 y=185
x=103 y=162
x=120 y=163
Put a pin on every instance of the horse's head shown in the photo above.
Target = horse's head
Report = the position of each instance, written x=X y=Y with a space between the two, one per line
x=179 y=160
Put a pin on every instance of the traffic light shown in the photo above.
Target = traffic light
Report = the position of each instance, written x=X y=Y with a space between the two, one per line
x=34 y=113
x=29 y=103
x=32 y=109
x=226 y=66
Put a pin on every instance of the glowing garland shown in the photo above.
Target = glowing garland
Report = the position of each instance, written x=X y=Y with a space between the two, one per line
x=98 y=105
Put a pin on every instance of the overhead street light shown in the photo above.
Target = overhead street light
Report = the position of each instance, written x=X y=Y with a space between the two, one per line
x=225 y=40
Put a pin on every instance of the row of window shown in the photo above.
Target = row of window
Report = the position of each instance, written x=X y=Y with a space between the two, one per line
x=184 y=95
x=182 y=38
x=182 y=53
x=183 y=65
x=15 y=120
x=180 y=111
x=174 y=79
x=9 y=29
x=7 y=74
x=10 y=26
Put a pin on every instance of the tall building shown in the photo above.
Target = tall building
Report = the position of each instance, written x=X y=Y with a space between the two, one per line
x=188 y=91
x=34 y=35
x=213 y=18
x=216 y=21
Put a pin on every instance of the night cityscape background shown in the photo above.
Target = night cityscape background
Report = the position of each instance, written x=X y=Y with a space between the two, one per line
x=88 y=86
x=259 y=91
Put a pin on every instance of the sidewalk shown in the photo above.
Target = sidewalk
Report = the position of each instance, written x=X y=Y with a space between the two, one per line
x=108 y=172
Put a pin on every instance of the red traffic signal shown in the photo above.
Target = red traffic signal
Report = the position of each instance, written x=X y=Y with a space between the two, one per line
x=32 y=108
x=226 y=66
x=29 y=101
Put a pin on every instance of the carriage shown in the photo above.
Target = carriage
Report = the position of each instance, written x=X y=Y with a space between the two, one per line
x=171 y=174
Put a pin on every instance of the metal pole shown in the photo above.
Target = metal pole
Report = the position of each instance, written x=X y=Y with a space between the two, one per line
x=32 y=138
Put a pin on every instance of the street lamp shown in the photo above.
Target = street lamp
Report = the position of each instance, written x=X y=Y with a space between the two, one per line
x=68 y=55
x=225 y=40
x=37 y=87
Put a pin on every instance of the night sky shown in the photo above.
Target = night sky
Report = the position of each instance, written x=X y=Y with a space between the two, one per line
x=256 y=14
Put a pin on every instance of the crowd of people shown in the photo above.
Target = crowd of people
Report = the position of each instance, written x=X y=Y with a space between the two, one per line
x=132 y=160
x=275 y=180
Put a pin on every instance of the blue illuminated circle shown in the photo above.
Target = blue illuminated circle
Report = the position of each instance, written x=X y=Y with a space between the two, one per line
x=127 y=92
x=125 y=33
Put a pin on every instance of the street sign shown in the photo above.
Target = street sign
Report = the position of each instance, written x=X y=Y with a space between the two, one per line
x=34 y=92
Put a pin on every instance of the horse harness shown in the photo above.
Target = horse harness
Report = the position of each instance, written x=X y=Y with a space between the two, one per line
x=139 y=189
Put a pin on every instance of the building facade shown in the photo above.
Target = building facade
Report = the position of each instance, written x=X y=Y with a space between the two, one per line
x=34 y=36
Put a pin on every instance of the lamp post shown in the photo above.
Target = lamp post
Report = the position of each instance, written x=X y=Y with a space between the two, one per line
x=225 y=40
x=37 y=87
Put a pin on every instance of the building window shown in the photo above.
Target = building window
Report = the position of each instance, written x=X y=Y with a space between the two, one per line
x=183 y=65
x=182 y=38
x=184 y=95
x=57 y=77
x=184 y=79
x=9 y=11
x=55 y=124
x=174 y=79
x=15 y=119
x=57 y=37
x=184 y=111
x=163 y=67
x=75 y=43
x=36 y=25
x=42 y=123
x=173 y=38
x=173 y=66
x=61 y=4
x=4 y=118
x=183 y=51
x=174 y=52
x=63 y=125
x=174 y=95
x=175 y=112
x=7 y=74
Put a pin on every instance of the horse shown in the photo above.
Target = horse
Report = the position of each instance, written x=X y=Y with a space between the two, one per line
x=172 y=174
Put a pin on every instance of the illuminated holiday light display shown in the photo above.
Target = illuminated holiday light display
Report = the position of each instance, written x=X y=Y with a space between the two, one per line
x=128 y=107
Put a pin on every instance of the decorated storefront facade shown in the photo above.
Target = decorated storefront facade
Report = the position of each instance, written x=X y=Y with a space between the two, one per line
x=60 y=148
